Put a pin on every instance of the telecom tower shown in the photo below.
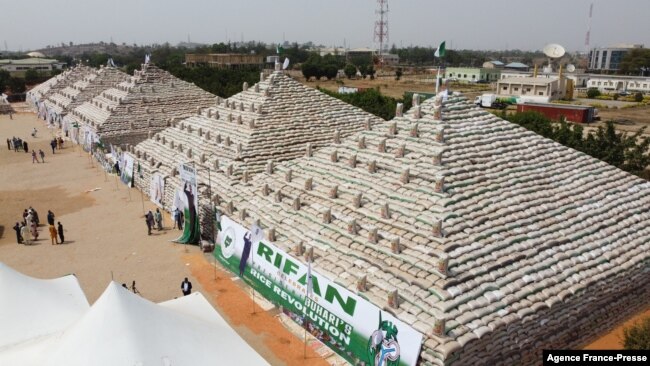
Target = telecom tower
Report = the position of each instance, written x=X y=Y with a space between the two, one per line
x=587 y=36
x=381 y=28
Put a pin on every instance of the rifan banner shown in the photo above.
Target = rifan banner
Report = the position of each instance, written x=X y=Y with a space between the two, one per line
x=187 y=200
x=347 y=323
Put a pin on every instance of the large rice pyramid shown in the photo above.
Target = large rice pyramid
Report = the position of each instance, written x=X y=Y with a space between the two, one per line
x=126 y=113
x=64 y=100
x=270 y=121
x=497 y=242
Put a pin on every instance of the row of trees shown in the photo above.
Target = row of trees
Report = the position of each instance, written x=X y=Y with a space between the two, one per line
x=18 y=85
x=624 y=151
x=372 y=101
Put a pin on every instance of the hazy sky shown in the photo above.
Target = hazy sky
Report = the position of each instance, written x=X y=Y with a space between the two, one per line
x=472 y=24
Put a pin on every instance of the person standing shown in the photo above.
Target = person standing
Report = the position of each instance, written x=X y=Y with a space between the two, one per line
x=60 y=231
x=186 y=287
x=148 y=218
x=53 y=234
x=34 y=158
x=158 y=217
x=24 y=232
x=25 y=146
x=34 y=229
x=179 y=219
x=9 y=144
x=42 y=154
x=35 y=215
x=50 y=217
x=53 y=145
x=19 y=238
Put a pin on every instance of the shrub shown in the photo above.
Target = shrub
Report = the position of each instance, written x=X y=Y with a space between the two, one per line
x=593 y=93
x=615 y=96
x=638 y=97
x=638 y=335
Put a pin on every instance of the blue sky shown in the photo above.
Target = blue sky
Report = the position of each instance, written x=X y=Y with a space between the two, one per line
x=473 y=24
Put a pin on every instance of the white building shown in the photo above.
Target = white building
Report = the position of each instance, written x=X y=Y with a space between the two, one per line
x=609 y=58
x=39 y=64
x=619 y=83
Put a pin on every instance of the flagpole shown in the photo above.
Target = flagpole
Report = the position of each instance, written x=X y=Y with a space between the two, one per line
x=437 y=78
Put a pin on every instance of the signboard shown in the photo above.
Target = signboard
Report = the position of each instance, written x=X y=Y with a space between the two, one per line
x=157 y=189
x=187 y=200
x=347 y=323
x=127 y=170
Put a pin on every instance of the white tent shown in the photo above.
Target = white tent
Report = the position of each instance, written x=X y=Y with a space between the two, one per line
x=32 y=308
x=124 y=329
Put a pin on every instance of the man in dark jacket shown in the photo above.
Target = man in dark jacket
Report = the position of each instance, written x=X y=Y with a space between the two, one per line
x=59 y=229
x=19 y=239
x=186 y=287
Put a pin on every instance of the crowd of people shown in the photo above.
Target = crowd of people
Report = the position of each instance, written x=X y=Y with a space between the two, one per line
x=17 y=144
x=27 y=230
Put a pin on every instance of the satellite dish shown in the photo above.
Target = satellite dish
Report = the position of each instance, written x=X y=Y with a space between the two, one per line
x=570 y=68
x=554 y=50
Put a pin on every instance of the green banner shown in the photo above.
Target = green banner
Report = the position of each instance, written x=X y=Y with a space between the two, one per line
x=347 y=323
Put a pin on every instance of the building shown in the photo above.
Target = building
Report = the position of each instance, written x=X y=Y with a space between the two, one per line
x=517 y=66
x=580 y=79
x=493 y=65
x=390 y=59
x=38 y=64
x=472 y=74
x=224 y=60
x=336 y=51
x=609 y=58
x=619 y=83
x=540 y=88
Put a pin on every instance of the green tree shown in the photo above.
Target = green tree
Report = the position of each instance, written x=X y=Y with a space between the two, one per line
x=635 y=61
x=330 y=71
x=398 y=73
x=593 y=93
x=4 y=80
x=371 y=72
x=31 y=76
x=363 y=69
x=350 y=71
x=17 y=85
x=371 y=101
x=637 y=337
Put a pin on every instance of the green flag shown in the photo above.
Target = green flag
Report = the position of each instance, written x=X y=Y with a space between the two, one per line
x=279 y=49
x=440 y=52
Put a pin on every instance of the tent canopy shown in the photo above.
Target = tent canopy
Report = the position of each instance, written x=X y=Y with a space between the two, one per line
x=32 y=308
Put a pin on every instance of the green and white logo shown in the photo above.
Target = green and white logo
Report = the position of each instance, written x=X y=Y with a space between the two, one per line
x=383 y=347
x=228 y=243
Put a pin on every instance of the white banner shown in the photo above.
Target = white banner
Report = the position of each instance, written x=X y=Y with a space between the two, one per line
x=157 y=189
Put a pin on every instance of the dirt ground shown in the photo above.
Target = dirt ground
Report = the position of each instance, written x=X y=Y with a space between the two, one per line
x=614 y=339
x=626 y=119
x=106 y=238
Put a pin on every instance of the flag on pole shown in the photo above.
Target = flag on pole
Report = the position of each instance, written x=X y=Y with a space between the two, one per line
x=285 y=64
x=440 y=51
x=279 y=49
x=309 y=282
x=147 y=58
